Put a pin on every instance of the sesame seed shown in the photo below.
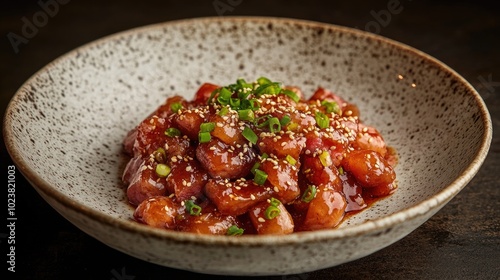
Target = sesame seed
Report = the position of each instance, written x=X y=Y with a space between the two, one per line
x=188 y=168
x=252 y=197
x=260 y=219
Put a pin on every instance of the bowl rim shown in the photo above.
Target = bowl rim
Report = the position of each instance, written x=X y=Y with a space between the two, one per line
x=432 y=203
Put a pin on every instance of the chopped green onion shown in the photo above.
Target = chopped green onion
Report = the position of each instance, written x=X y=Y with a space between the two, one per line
x=263 y=121
x=160 y=155
x=234 y=102
x=234 y=230
x=272 y=88
x=192 y=208
x=285 y=120
x=263 y=81
x=243 y=84
x=272 y=212
x=290 y=159
x=264 y=155
x=212 y=95
x=162 y=170
x=172 y=132
x=331 y=107
x=254 y=105
x=260 y=177
x=274 y=125
x=291 y=94
x=322 y=120
x=207 y=127
x=246 y=115
x=341 y=170
x=250 y=135
x=175 y=107
x=274 y=202
x=325 y=159
x=255 y=167
x=292 y=126
x=224 y=96
x=309 y=194
x=204 y=137
x=223 y=111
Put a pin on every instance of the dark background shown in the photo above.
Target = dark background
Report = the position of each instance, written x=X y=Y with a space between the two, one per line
x=462 y=241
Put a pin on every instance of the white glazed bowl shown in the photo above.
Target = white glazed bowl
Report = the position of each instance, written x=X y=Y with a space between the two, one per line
x=65 y=125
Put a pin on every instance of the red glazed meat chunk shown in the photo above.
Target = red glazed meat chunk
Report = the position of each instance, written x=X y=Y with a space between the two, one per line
x=186 y=179
x=282 y=145
x=159 y=212
x=150 y=136
x=145 y=184
x=282 y=177
x=235 y=198
x=228 y=128
x=368 y=138
x=209 y=221
x=325 y=210
x=204 y=93
x=271 y=219
x=225 y=161
x=369 y=168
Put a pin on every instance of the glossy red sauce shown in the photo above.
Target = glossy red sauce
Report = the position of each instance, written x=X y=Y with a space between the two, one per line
x=305 y=164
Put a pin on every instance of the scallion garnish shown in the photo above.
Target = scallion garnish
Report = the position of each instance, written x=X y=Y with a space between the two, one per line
x=192 y=208
x=264 y=155
x=224 y=97
x=330 y=107
x=292 y=126
x=234 y=230
x=234 y=102
x=255 y=167
x=263 y=81
x=341 y=170
x=274 y=125
x=162 y=170
x=291 y=94
x=262 y=121
x=260 y=177
x=223 y=111
x=325 y=159
x=285 y=120
x=204 y=137
x=309 y=194
x=246 y=115
x=250 y=135
x=207 y=127
x=160 y=155
x=271 y=88
x=272 y=212
x=175 y=107
x=172 y=132
x=290 y=159
x=322 y=120
x=274 y=202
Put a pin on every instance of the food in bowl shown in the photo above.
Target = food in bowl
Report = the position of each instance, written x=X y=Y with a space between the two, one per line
x=255 y=158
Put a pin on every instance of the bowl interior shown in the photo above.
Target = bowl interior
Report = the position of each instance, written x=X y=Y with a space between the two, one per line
x=65 y=126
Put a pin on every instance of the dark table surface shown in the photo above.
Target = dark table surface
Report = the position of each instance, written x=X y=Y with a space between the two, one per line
x=462 y=241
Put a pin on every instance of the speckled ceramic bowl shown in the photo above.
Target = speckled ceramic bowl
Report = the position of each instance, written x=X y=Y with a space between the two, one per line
x=65 y=126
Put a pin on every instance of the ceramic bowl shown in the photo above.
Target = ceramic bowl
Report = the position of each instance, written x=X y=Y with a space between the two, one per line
x=64 y=130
